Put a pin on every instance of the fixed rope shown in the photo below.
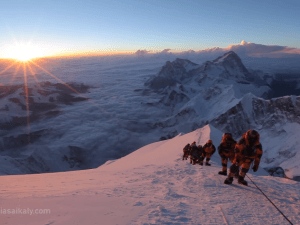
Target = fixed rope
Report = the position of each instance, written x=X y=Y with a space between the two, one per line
x=224 y=215
x=269 y=200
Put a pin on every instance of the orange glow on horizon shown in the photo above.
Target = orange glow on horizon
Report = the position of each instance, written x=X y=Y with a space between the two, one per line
x=22 y=52
x=74 y=54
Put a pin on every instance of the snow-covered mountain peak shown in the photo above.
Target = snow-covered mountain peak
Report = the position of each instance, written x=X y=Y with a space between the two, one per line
x=172 y=73
x=227 y=66
x=187 y=64
x=227 y=69
x=228 y=56
x=177 y=69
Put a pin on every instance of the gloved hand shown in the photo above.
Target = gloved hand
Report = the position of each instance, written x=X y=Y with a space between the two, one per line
x=255 y=168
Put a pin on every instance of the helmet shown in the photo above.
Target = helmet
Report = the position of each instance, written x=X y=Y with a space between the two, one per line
x=194 y=143
x=209 y=142
x=227 y=137
x=252 y=136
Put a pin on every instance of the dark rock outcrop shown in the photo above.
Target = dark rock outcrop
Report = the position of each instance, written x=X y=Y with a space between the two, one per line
x=21 y=140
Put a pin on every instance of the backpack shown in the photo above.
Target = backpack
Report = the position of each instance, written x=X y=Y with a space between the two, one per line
x=186 y=148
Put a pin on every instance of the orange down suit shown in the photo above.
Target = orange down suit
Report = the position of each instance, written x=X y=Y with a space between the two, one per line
x=246 y=154
x=208 y=151
x=226 y=151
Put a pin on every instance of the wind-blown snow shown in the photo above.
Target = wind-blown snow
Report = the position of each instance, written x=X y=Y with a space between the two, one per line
x=150 y=186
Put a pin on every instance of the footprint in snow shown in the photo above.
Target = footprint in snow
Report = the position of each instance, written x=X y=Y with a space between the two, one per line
x=138 y=204
x=50 y=222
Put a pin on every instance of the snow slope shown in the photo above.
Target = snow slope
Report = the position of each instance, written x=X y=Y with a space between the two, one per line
x=149 y=186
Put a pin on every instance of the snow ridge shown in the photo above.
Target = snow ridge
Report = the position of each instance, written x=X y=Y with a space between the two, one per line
x=152 y=185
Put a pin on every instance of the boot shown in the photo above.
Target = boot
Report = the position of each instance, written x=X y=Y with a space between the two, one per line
x=242 y=181
x=201 y=163
x=228 y=180
x=223 y=173
x=236 y=175
x=207 y=164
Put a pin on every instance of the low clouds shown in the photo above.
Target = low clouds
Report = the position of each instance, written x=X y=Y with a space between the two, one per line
x=243 y=49
x=145 y=52
x=141 y=52
x=165 y=51
x=268 y=58
x=259 y=50
x=248 y=49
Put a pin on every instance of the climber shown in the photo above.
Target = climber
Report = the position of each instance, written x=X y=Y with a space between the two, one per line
x=186 y=152
x=193 y=151
x=196 y=154
x=200 y=152
x=208 y=150
x=247 y=150
x=226 y=151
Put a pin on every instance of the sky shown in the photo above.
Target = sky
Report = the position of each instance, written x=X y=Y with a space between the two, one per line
x=70 y=26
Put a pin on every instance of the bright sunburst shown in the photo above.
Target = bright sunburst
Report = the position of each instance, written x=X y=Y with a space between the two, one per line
x=25 y=53
x=22 y=52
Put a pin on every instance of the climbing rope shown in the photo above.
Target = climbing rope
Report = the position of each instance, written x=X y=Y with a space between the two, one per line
x=223 y=215
x=269 y=200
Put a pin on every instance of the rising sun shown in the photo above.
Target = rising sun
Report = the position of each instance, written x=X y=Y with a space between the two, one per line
x=22 y=52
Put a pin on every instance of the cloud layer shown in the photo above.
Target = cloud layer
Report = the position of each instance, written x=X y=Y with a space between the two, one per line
x=244 y=49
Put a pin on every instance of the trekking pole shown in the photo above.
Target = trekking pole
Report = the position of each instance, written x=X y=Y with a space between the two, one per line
x=269 y=200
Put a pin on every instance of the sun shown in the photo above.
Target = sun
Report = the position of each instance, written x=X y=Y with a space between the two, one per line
x=22 y=52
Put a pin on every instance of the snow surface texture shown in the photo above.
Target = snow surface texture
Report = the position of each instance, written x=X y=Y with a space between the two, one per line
x=152 y=185
x=122 y=114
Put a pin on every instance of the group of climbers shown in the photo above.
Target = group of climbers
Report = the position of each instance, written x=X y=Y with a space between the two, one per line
x=198 y=153
x=241 y=154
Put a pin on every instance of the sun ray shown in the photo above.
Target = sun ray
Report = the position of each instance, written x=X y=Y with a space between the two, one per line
x=32 y=73
x=8 y=67
x=52 y=75
x=71 y=88
x=13 y=78
x=68 y=86
x=15 y=74
x=27 y=104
